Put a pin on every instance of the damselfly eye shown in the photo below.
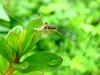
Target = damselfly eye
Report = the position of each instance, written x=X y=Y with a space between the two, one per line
x=46 y=25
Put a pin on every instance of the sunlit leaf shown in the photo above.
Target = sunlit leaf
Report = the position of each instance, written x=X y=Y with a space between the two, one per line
x=42 y=61
x=4 y=49
x=14 y=39
x=31 y=36
x=37 y=22
x=30 y=41
x=3 y=14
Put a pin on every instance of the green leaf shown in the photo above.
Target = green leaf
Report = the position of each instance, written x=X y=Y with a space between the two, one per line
x=32 y=39
x=14 y=39
x=4 y=49
x=11 y=45
x=30 y=73
x=42 y=61
x=37 y=22
x=3 y=15
x=17 y=30
x=4 y=29
x=30 y=36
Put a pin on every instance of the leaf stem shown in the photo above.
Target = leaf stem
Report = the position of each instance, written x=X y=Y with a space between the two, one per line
x=9 y=70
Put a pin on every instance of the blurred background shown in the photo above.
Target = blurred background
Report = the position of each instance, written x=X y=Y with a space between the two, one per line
x=77 y=20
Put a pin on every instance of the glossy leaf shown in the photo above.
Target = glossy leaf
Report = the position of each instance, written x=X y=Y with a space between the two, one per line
x=4 y=49
x=42 y=61
x=14 y=39
x=17 y=30
x=3 y=14
x=31 y=41
x=37 y=22
x=11 y=44
x=31 y=36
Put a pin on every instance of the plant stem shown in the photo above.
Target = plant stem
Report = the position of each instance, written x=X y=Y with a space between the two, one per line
x=9 y=70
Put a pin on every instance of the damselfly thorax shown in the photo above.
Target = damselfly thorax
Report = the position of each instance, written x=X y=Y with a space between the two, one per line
x=45 y=26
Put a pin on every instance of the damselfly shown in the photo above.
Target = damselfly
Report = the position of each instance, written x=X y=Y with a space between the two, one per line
x=45 y=26
x=48 y=28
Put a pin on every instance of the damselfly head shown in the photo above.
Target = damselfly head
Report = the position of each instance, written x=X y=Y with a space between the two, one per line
x=46 y=26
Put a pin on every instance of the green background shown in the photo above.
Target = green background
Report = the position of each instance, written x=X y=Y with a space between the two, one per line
x=79 y=24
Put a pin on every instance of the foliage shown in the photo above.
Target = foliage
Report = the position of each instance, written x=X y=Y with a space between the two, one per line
x=19 y=42
x=77 y=20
